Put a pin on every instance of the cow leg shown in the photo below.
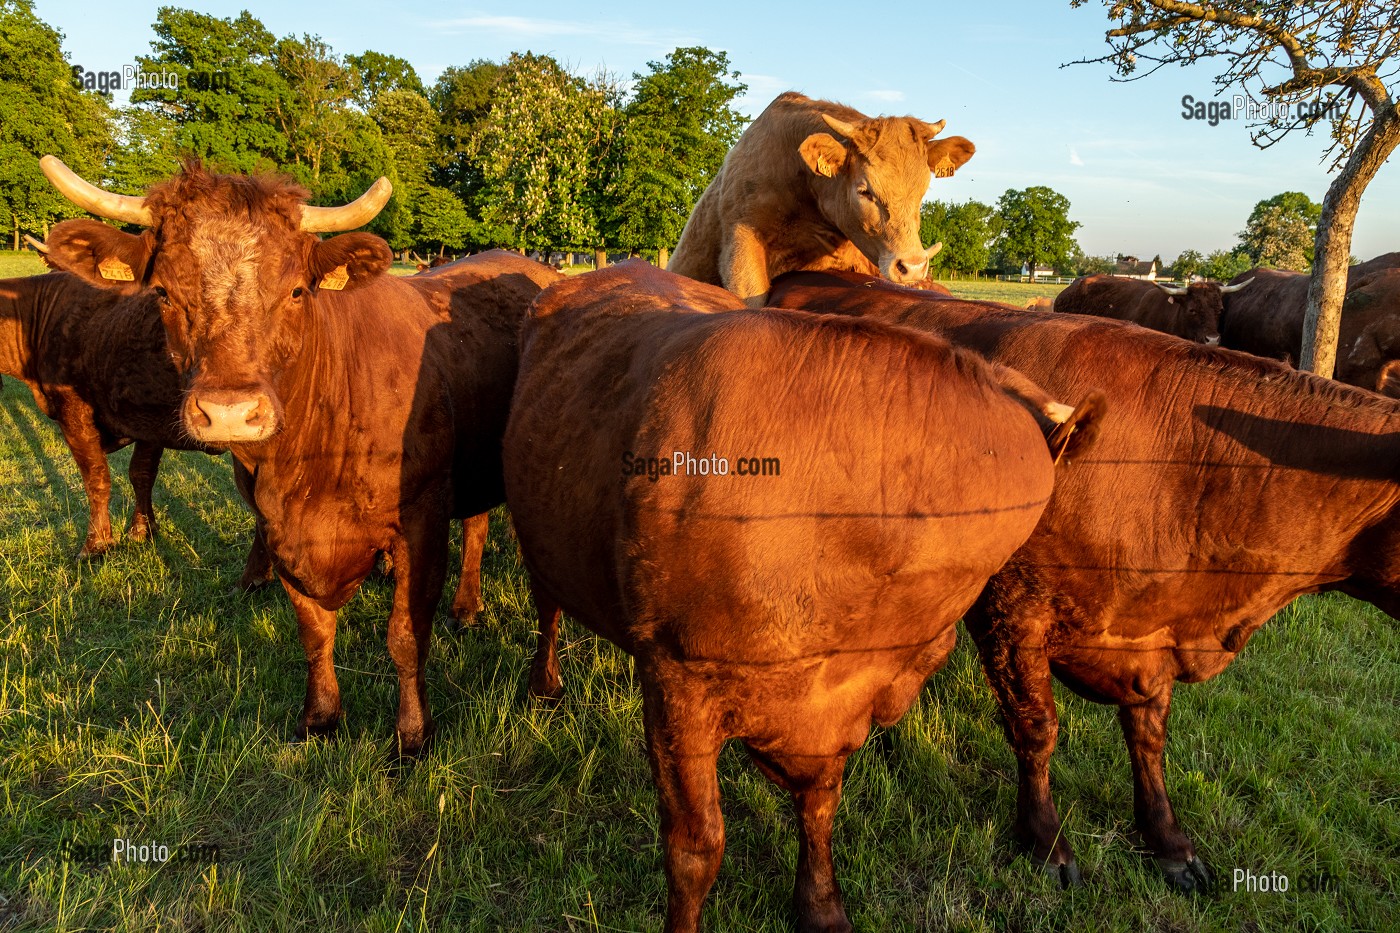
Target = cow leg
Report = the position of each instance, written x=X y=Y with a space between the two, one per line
x=1020 y=679
x=545 y=682
x=420 y=566
x=145 y=464
x=320 y=712
x=815 y=785
x=683 y=743
x=466 y=602
x=1145 y=731
x=744 y=266
x=257 y=569
x=80 y=432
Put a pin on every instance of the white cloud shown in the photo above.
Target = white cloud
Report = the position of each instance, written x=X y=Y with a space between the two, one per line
x=1074 y=157
x=885 y=96
x=543 y=28
x=762 y=90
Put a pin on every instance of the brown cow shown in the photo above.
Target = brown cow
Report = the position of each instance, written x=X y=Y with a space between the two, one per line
x=1189 y=311
x=792 y=196
x=368 y=408
x=1268 y=321
x=879 y=477
x=97 y=364
x=1223 y=487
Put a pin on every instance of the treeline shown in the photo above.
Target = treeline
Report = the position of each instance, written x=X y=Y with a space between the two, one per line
x=521 y=153
x=1031 y=227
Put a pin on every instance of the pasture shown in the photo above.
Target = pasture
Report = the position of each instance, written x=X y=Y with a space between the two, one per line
x=140 y=699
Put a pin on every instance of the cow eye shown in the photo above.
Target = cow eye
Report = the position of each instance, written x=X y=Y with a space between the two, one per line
x=297 y=292
x=864 y=192
x=160 y=292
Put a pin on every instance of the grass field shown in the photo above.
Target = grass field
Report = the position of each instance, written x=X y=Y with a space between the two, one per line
x=1012 y=293
x=26 y=262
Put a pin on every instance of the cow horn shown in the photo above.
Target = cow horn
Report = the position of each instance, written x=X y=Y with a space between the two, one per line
x=1231 y=289
x=39 y=245
x=347 y=216
x=123 y=207
x=1178 y=292
x=845 y=129
x=932 y=250
x=933 y=129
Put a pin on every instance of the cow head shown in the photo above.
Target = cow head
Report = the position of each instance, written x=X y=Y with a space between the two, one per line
x=237 y=265
x=1198 y=308
x=871 y=180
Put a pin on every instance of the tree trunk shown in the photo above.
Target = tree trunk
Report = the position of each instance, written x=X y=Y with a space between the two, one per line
x=16 y=219
x=600 y=258
x=1332 y=249
x=568 y=259
x=661 y=257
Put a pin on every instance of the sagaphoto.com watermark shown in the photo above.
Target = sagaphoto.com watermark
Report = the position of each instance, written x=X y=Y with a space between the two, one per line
x=131 y=77
x=1241 y=107
x=143 y=853
x=1249 y=881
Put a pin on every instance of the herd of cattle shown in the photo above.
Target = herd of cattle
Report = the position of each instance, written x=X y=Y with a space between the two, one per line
x=1071 y=486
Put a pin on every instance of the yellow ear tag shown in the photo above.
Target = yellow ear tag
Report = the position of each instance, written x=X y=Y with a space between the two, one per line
x=945 y=168
x=115 y=270
x=335 y=279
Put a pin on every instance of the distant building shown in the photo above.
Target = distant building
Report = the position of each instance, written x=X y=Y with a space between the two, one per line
x=1041 y=272
x=1129 y=267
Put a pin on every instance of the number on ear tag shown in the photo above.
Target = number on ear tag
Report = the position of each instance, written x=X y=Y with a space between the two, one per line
x=335 y=279
x=115 y=270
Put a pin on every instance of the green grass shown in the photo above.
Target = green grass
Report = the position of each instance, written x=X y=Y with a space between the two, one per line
x=26 y=262
x=139 y=698
x=1012 y=293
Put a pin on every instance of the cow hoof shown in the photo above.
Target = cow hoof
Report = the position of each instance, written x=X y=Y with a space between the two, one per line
x=1067 y=874
x=547 y=691
x=1189 y=877
x=458 y=623
x=413 y=746
x=141 y=532
x=94 y=549
x=321 y=729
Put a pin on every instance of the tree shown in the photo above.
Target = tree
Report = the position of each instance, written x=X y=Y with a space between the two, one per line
x=1083 y=264
x=966 y=231
x=1223 y=265
x=1187 y=264
x=227 y=93
x=462 y=99
x=146 y=150
x=676 y=131
x=313 y=113
x=442 y=219
x=1288 y=53
x=376 y=73
x=534 y=151
x=1035 y=228
x=41 y=112
x=1281 y=230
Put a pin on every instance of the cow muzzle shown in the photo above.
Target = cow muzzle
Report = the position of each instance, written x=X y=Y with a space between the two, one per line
x=230 y=417
x=910 y=268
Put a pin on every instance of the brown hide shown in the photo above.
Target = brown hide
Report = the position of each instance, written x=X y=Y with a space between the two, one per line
x=1222 y=487
x=785 y=610
x=1266 y=319
x=1194 y=316
x=98 y=365
x=791 y=195
x=367 y=409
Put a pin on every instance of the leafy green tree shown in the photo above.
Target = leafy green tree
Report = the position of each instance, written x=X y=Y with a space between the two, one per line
x=1083 y=264
x=1189 y=263
x=146 y=149
x=676 y=131
x=442 y=219
x=41 y=112
x=226 y=102
x=376 y=73
x=1223 y=265
x=534 y=150
x=462 y=98
x=966 y=231
x=1035 y=228
x=314 y=114
x=1281 y=231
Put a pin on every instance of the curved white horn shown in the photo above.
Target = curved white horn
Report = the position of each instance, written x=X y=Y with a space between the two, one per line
x=932 y=251
x=1171 y=290
x=123 y=207
x=347 y=216
x=1231 y=289
x=39 y=245
x=845 y=129
x=933 y=129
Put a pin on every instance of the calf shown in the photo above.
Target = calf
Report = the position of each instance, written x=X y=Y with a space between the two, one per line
x=790 y=195
x=367 y=408
x=1146 y=569
x=780 y=516
x=97 y=363
x=1189 y=311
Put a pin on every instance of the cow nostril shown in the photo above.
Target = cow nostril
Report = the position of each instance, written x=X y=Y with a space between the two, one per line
x=199 y=416
x=901 y=267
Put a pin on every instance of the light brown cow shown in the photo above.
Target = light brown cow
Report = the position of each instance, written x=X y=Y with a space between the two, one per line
x=791 y=196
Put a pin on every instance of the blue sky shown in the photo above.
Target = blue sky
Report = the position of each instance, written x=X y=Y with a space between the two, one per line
x=1140 y=178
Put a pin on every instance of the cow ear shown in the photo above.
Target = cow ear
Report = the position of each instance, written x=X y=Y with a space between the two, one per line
x=348 y=261
x=823 y=154
x=1388 y=382
x=946 y=156
x=100 y=255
